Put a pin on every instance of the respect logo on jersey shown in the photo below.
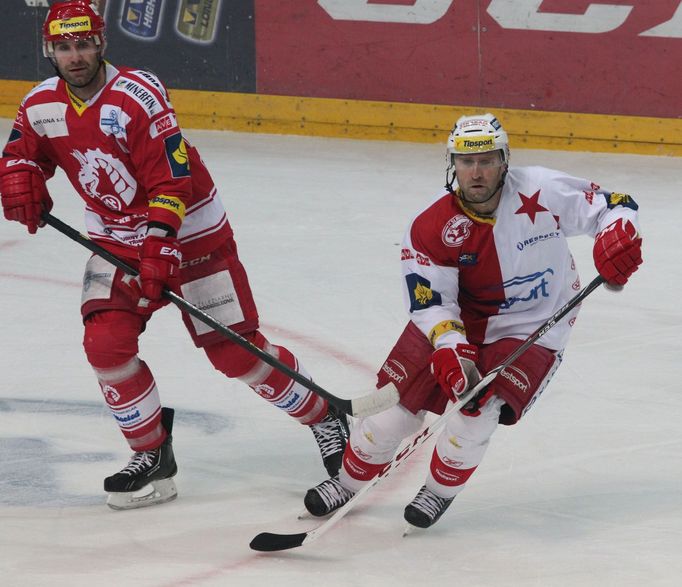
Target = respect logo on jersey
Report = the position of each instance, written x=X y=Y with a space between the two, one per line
x=176 y=154
x=533 y=240
x=420 y=292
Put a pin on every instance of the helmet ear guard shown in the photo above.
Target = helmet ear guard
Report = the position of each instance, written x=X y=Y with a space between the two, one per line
x=480 y=133
x=75 y=19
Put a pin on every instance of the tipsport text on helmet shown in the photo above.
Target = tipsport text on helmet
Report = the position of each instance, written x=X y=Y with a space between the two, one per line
x=73 y=20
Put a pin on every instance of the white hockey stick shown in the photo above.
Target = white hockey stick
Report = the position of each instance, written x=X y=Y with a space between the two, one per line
x=267 y=541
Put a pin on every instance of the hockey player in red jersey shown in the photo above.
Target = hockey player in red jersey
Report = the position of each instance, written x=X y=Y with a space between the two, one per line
x=484 y=266
x=149 y=199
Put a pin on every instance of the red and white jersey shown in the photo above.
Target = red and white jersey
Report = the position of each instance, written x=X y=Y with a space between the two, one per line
x=124 y=154
x=482 y=279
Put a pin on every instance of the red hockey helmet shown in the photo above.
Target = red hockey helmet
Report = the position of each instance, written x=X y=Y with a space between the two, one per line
x=76 y=19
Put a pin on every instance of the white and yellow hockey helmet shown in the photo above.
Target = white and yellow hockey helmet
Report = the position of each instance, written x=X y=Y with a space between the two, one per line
x=480 y=133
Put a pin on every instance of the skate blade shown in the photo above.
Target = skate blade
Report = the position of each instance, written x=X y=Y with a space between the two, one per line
x=409 y=528
x=162 y=491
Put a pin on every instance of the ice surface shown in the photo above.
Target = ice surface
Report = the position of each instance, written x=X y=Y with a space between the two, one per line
x=585 y=491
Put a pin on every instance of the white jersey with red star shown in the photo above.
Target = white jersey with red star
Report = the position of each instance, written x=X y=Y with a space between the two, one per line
x=481 y=279
x=124 y=154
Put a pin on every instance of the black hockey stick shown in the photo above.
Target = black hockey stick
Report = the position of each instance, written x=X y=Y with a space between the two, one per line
x=365 y=405
x=270 y=542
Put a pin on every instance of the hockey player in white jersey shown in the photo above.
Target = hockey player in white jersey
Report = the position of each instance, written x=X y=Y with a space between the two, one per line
x=484 y=265
x=150 y=199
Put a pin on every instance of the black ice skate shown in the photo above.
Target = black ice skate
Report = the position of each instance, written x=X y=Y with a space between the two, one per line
x=327 y=497
x=426 y=508
x=151 y=467
x=331 y=436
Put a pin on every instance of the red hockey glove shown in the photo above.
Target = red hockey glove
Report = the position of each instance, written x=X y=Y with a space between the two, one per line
x=617 y=251
x=23 y=192
x=160 y=259
x=455 y=369
x=159 y=264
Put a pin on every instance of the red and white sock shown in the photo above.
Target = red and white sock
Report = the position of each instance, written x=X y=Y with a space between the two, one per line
x=131 y=394
x=445 y=479
x=356 y=472
x=282 y=391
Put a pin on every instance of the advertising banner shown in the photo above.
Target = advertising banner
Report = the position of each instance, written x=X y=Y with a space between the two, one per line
x=607 y=57
x=197 y=44
x=617 y=57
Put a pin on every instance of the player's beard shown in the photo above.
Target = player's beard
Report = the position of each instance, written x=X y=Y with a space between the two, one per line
x=85 y=79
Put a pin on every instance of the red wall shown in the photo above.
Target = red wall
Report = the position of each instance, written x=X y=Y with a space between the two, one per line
x=468 y=57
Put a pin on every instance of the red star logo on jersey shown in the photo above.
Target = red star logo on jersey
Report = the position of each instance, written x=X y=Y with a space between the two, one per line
x=530 y=206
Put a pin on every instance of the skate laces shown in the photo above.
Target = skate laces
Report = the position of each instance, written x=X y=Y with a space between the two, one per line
x=140 y=462
x=333 y=494
x=330 y=435
x=429 y=503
